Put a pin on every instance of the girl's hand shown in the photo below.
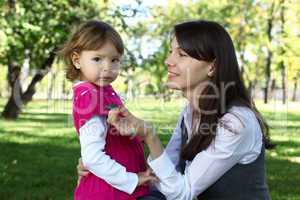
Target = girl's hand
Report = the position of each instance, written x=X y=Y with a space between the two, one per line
x=127 y=124
x=146 y=177
x=81 y=170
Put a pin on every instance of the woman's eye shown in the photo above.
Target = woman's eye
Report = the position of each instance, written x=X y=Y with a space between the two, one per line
x=182 y=54
x=97 y=59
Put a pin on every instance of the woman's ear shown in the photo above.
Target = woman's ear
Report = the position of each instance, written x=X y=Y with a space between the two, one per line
x=211 y=71
x=76 y=59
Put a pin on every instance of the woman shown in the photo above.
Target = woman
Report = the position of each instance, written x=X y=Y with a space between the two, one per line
x=217 y=148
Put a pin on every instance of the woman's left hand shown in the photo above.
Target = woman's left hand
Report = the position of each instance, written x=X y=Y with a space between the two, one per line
x=128 y=124
x=81 y=170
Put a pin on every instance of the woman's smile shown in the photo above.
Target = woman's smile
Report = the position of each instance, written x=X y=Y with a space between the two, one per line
x=172 y=74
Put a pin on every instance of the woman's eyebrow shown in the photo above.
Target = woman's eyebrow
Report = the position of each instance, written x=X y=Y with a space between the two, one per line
x=179 y=48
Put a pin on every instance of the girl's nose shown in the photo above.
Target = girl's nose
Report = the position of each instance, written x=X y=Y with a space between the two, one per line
x=107 y=66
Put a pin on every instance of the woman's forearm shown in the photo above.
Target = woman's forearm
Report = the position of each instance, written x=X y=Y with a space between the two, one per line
x=154 y=144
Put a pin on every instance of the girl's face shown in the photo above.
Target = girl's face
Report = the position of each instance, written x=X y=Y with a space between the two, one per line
x=101 y=66
x=184 y=72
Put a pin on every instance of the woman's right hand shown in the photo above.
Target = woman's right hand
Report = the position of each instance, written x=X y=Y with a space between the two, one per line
x=146 y=177
x=81 y=170
x=127 y=124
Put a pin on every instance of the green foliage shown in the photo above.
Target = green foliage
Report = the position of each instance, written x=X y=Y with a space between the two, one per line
x=40 y=27
x=149 y=89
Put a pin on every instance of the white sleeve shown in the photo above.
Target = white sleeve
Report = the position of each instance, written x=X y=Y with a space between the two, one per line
x=174 y=144
x=92 y=141
x=206 y=168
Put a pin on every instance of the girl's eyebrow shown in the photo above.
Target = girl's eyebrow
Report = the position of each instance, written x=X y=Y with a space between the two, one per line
x=101 y=55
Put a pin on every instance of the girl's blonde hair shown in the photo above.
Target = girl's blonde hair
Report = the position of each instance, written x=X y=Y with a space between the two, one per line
x=89 y=36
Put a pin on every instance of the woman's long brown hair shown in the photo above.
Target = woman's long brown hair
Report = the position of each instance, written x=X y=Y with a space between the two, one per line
x=209 y=41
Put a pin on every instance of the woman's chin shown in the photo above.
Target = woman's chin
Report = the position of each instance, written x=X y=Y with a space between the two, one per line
x=173 y=85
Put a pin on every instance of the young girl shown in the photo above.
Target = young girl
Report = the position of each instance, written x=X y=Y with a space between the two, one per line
x=117 y=163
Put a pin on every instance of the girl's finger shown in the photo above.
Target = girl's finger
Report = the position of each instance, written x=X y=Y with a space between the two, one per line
x=113 y=116
x=124 y=111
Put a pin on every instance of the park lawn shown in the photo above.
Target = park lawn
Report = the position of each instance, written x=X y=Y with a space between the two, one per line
x=39 y=151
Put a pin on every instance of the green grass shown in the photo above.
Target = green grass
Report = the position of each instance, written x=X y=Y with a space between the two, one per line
x=39 y=151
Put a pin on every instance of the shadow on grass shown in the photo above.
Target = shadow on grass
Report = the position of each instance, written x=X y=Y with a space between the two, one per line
x=292 y=117
x=44 y=117
x=35 y=171
x=35 y=120
x=47 y=171
x=283 y=179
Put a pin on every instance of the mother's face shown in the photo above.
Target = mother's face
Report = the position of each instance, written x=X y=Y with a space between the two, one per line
x=185 y=72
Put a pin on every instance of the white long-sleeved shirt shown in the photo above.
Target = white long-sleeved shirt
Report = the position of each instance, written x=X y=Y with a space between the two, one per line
x=92 y=142
x=238 y=140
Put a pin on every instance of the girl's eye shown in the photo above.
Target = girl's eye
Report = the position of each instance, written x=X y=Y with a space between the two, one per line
x=97 y=59
x=116 y=60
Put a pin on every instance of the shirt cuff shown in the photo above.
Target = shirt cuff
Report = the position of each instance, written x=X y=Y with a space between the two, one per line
x=132 y=183
x=162 y=166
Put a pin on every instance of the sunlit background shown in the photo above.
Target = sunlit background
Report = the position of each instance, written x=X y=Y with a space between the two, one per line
x=39 y=146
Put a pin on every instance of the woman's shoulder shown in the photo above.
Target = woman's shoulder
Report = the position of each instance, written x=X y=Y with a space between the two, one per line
x=238 y=118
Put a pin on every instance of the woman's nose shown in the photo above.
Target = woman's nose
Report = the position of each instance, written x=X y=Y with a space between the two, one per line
x=169 y=62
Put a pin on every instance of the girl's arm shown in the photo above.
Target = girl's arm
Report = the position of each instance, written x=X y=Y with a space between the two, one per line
x=92 y=142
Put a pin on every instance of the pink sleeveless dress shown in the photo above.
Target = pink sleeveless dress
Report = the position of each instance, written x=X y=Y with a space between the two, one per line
x=91 y=100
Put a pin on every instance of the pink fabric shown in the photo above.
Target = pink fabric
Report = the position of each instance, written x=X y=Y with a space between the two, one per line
x=90 y=100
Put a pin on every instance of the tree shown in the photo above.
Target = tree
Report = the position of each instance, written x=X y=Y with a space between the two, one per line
x=37 y=28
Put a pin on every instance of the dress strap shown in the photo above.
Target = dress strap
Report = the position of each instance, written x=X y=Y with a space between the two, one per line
x=184 y=137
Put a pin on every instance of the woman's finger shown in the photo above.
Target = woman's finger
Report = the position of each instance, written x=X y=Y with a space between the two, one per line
x=150 y=179
x=148 y=172
x=83 y=173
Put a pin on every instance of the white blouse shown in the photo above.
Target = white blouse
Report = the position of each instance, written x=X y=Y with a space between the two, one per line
x=238 y=141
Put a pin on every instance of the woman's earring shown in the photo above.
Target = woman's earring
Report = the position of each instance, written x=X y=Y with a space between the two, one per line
x=211 y=72
x=77 y=66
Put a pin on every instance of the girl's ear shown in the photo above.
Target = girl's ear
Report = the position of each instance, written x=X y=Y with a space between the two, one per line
x=76 y=59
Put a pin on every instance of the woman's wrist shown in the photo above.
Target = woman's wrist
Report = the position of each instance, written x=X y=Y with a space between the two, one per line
x=154 y=144
x=148 y=130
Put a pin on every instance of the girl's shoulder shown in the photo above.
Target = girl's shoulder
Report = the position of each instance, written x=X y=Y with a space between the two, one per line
x=82 y=87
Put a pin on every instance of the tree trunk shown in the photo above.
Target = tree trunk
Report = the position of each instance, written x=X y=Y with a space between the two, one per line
x=11 y=109
x=268 y=77
x=272 y=92
x=294 y=98
x=50 y=89
x=282 y=51
x=270 y=54
x=64 y=91
x=283 y=82
x=14 y=104
x=18 y=99
x=12 y=4
x=28 y=94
